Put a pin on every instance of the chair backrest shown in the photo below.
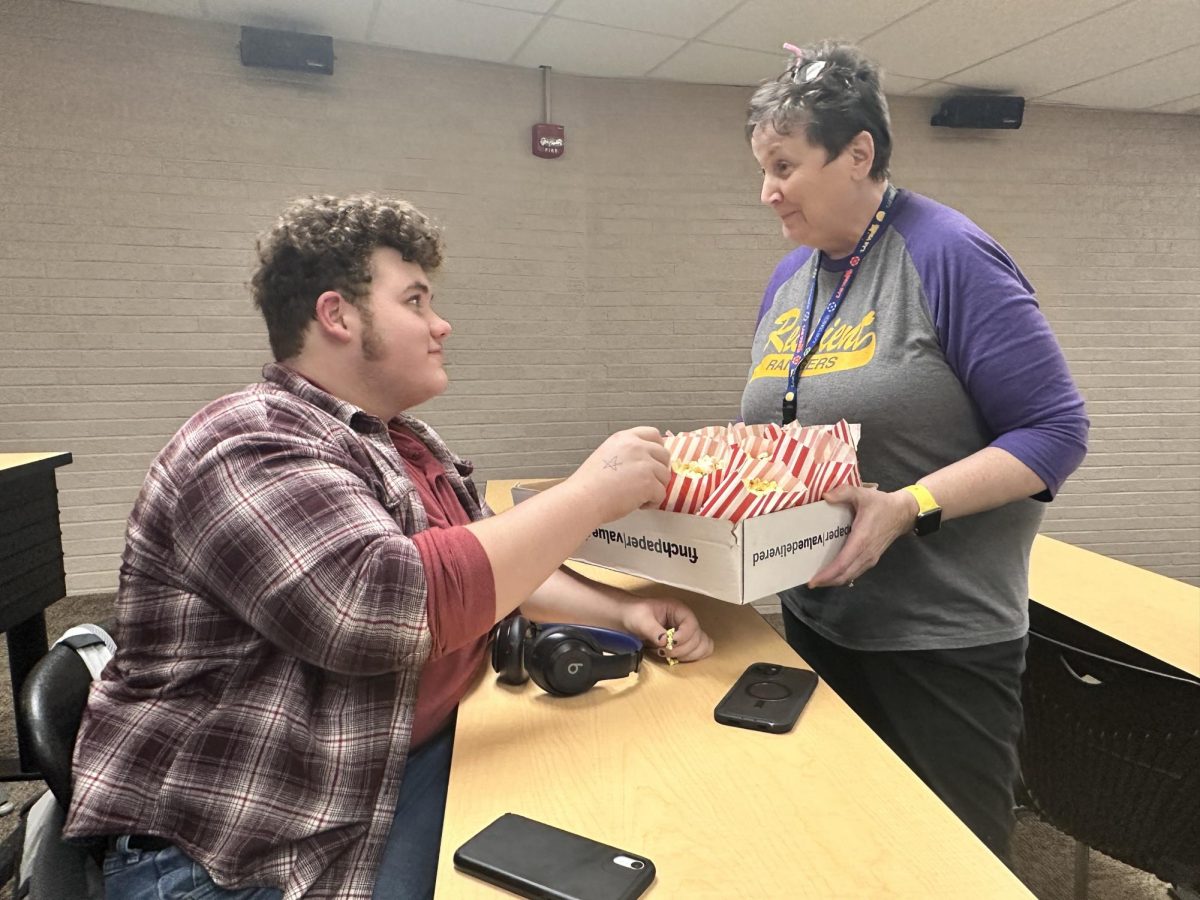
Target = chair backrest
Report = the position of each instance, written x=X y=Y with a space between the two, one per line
x=52 y=702
x=1110 y=754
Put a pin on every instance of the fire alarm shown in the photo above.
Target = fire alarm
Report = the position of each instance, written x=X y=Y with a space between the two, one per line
x=549 y=141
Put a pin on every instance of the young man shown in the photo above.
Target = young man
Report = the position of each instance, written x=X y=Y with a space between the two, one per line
x=307 y=587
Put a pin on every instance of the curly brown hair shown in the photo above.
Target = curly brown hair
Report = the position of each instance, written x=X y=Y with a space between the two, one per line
x=324 y=244
x=845 y=98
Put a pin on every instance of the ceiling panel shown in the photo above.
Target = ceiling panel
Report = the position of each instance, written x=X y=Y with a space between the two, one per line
x=935 y=89
x=702 y=63
x=950 y=35
x=1182 y=105
x=766 y=24
x=1103 y=53
x=710 y=64
x=453 y=28
x=1149 y=84
x=676 y=18
x=1125 y=36
x=586 y=49
x=187 y=9
x=535 y=6
x=901 y=84
x=346 y=19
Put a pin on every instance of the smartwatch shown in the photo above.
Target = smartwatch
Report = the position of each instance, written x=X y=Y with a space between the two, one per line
x=929 y=514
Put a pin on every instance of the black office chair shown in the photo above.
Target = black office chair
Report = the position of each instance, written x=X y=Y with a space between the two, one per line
x=1110 y=752
x=52 y=703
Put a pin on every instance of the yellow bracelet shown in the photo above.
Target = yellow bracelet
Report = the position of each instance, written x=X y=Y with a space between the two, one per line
x=925 y=501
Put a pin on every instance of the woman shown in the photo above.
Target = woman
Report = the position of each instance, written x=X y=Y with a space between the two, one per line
x=901 y=314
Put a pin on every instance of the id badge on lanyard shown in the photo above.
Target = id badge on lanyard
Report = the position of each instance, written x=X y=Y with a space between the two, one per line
x=805 y=351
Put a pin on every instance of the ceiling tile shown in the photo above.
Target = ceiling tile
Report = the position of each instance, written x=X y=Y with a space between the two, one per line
x=901 y=84
x=950 y=35
x=935 y=89
x=536 y=6
x=586 y=49
x=453 y=28
x=187 y=9
x=766 y=24
x=1149 y=84
x=1182 y=105
x=1118 y=56
x=346 y=19
x=1122 y=37
x=676 y=18
x=703 y=63
x=709 y=64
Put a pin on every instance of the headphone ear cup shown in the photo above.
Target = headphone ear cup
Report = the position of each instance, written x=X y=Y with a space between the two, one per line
x=560 y=662
x=508 y=651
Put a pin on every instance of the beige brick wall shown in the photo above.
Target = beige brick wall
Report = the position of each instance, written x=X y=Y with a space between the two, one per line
x=615 y=286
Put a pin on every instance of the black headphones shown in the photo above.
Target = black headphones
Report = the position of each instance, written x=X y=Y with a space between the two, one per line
x=562 y=659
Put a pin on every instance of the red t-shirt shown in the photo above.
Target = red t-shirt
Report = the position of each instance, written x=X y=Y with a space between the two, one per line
x=461 y=600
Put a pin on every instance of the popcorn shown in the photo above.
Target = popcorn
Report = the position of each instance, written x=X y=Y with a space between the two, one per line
x=758 y=486
x=698 y=464
x=705 y=465
x=738 y=471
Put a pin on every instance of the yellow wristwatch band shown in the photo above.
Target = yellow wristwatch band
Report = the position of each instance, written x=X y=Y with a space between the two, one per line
x=925 y=501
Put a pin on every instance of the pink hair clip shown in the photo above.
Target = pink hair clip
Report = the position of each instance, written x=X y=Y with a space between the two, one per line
x=795 y=51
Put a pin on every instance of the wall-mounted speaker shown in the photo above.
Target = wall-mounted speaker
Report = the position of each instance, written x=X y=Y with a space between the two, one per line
x=980 y=111
x=287 y=50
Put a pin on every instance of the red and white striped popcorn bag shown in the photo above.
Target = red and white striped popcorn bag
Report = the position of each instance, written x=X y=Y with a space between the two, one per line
x=808 y=433
x=732 y=499
x=845 y=433
x=829 y=475
x=741 y=434
x=792 y=492
x=792 y=453
x=760 y=446
x=720 y=432
x=686 y=491
x=807 y=447
x=832 y=460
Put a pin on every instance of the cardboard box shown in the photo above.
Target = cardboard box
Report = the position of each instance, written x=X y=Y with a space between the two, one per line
x=738 y=563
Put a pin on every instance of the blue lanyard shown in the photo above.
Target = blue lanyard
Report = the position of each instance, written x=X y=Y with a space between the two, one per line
x=806 y=349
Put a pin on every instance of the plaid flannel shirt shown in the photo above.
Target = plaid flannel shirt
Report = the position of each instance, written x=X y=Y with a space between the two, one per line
x=271 y=634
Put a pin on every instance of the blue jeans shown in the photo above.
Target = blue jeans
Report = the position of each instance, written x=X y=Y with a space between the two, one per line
x=407 y=870
x=166 y=875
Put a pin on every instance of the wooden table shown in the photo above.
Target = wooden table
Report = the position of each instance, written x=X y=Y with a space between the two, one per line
x=824 y=811
x=1155 y=614
x=31 y=572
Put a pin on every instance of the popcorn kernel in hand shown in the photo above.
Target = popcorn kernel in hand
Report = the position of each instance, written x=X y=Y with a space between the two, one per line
x=671 y=661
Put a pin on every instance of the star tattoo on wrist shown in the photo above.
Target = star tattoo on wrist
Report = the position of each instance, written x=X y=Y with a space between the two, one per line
x=612 y=462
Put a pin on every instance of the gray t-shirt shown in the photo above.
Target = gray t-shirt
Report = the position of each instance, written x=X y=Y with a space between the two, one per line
x=938 y=350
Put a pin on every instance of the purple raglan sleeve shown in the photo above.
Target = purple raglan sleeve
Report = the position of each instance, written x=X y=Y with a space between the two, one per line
x=789 y=266
x=997 y=342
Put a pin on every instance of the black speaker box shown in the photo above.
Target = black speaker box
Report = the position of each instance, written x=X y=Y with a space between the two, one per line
x=982 y=111
x=287 y=50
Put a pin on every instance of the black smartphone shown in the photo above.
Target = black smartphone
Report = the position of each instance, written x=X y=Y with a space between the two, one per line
x=767 y=697
x=533 y=859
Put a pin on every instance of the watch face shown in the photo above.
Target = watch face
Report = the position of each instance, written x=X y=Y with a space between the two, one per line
x=928 y=522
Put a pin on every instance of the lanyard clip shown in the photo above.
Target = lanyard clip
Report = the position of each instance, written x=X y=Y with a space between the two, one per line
x=789 y=407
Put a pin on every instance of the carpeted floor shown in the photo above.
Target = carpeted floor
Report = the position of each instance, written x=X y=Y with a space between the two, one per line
x=1042 y=856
